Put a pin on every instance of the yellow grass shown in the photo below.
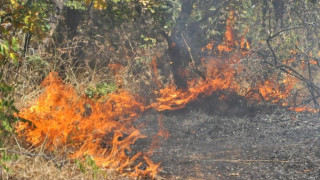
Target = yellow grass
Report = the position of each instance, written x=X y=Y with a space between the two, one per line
x=34 y=164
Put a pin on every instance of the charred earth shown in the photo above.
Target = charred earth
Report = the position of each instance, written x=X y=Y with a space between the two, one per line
x=237 y=141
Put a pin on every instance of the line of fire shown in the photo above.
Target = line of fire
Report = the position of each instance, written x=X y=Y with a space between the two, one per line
x=109 y=128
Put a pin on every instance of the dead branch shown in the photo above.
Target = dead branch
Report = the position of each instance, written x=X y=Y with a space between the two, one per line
x=249 y=160
x=315 y=102
x=194 y=67
x=48 y=158
x=311 y=86
x=306 y=55
x=309 y=100
x=270 y=37
x=274 y=56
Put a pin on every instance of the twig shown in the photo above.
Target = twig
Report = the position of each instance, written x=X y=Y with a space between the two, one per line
x=313 y=88
x=306 y=55
x=248 y=160
x=309 y=100
x=193 y=62
x=48 y=158
x=315 y=102
x=17 y=142
x=293 y=72
x=270 y=37
x=189 y=49
x=274 y=56
x=284 y=30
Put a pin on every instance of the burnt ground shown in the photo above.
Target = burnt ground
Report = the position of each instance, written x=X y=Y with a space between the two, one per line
x=235 y=143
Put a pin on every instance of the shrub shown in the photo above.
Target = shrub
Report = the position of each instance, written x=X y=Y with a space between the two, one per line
x=101 y=89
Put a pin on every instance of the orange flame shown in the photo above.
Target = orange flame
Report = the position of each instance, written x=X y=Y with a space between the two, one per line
x=219 y=75
x=62 y=118
x=229 y=42
x=273 y=91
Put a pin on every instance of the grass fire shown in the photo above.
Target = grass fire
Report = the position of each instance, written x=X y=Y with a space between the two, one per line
x=159 y=89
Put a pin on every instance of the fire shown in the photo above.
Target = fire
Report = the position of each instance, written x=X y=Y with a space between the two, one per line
x=105 y=130
x=228 y=45
x=220 y=76
x=273 y=91
x=221 y=73
x=62 y=118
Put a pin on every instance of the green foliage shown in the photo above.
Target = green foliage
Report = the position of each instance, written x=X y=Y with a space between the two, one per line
x=37 y=63
x=30 y=17
x=7 y=109
x=80 y=165
x=75 y=4
x=88 y=165
x=6 y=157
x=17 y=18
x=101 y=89
x=9 y=51
x=148 y=42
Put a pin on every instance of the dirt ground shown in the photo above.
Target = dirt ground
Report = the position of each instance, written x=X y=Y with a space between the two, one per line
x=206 y=143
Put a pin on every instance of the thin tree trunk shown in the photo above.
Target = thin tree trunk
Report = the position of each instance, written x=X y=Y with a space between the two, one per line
x=177 y=49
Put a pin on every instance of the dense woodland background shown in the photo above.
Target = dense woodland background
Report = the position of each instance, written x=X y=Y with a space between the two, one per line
x=99 y=46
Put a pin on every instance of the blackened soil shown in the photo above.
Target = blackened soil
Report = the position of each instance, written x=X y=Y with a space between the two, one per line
x=276 y=145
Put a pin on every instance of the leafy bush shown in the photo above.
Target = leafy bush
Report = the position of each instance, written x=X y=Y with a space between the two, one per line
x=7 y=109
x=88 y=165
x=6 y=157
x=101 y=89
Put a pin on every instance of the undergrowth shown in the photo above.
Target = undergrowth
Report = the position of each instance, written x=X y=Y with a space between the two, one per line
x=17 y=162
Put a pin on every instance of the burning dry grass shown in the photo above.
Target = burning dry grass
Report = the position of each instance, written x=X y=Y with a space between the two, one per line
x=101 y=130
x=104 y=131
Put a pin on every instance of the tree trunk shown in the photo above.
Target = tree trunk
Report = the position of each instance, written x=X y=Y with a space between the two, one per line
x=177 y=49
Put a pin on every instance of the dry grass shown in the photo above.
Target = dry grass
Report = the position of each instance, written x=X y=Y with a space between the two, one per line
x=36 y=165
x=81 y=62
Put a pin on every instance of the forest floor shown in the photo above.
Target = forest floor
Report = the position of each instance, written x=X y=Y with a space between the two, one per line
x=209 y=139
x=207 y=144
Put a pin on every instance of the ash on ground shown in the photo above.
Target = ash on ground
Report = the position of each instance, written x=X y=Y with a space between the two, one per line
x=208 y=144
